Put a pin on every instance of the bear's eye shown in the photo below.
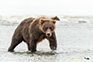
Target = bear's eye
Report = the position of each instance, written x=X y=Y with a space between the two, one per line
x=51 y=28
x=45 y=29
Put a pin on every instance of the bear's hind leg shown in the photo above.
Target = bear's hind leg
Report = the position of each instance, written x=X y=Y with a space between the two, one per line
x=15 y=42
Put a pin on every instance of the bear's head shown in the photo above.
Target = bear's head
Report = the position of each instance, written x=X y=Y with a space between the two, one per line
x=48 y=25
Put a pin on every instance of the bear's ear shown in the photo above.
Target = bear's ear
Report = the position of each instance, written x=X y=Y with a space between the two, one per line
x=54 y=22
x=42 y=21
x=55 y=18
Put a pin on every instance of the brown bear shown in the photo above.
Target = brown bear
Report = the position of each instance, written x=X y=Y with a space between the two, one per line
x=34 y=30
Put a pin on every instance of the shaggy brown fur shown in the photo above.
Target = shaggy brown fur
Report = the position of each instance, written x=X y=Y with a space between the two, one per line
x=33 y=30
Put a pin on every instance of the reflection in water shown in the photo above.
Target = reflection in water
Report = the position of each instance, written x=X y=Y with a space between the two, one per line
x=40 y=53
x=38 y=56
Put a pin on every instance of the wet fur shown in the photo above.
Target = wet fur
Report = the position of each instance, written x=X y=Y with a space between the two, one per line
x=30 y=31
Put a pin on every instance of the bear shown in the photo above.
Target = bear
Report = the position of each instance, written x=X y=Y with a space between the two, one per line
x=34 y=30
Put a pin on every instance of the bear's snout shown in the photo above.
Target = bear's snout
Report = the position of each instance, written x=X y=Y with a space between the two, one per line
x=48 y=34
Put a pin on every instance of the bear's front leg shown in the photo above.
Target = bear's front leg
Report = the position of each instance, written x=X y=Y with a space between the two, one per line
x=33 y=46
x=53 y=42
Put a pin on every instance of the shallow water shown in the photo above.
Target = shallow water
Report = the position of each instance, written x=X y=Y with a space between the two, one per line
x=75 y=44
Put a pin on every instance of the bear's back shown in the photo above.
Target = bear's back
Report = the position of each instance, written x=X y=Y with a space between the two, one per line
x=24 y=26
x=27 y=21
